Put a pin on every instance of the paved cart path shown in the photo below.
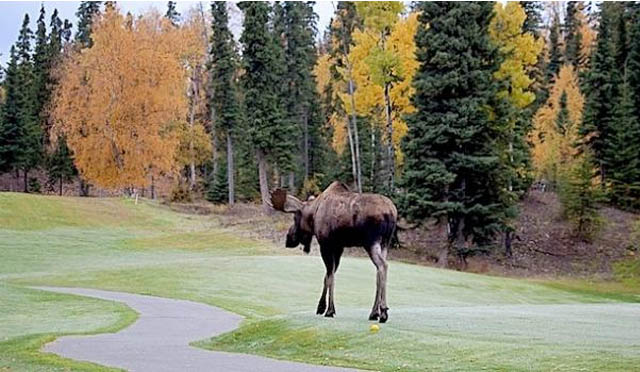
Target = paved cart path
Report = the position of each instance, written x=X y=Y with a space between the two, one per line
x=159 y=339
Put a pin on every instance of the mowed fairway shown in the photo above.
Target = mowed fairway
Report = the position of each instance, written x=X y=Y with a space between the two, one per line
x=442 y=320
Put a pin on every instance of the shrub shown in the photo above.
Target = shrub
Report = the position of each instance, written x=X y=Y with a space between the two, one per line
x=181 y=194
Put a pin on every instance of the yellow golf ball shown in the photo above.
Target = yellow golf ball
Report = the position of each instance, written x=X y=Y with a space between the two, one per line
x=374 y=328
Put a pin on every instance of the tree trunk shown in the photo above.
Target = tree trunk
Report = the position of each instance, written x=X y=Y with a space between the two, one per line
x=26 y=181
x=443 y=255
x=153 y=187
x=262 y=175
x=84 y=188
x=352 y=150
x=356 y=145
x=214 y=142
x=195 y=89
x=373 y=156
x=60 y=185
x=230 y=169
x=390 y=149
x=292 y=183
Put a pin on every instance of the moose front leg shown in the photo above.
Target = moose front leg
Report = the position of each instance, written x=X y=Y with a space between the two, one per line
x=327 y=258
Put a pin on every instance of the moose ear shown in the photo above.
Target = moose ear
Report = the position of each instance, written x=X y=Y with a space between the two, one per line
x=283 y=202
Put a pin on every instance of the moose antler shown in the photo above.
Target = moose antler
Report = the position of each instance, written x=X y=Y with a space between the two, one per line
x=281 y=201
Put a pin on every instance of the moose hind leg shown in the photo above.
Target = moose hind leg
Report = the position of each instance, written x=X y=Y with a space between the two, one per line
x=337 y=253
x=322 y=303
x=383 y=290
x=375 y=253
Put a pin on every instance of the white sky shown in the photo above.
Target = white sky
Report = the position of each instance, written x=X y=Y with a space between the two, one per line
x=12 y=13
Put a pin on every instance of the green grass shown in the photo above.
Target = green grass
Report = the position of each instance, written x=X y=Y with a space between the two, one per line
x=439 y=319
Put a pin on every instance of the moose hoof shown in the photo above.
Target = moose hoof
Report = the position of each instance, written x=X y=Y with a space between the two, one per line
x=321 y=308
x=373 y=316
x=330 y=314
x=384 y=316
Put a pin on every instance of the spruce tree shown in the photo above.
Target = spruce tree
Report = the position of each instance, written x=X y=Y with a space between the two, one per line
x=60 y=165
x=224 y=97
x=217 y=189
x=555 y=50
x=580 y=198
x=533 y=10
x=29 y=139
x=10 y=129
x=300 y=55
x=288 y=132
x=562 y=120
x=623 y=152
x=451 y=169
x=41 y=65
x=261 y=83
x=172 y=14
x=86 y=12
x=573 y=37
x=633 y=63
x=600 y=92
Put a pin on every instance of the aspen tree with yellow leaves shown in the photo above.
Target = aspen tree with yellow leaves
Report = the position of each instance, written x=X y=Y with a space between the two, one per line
x=384 y=64
x=119 y=102
x=520 y=50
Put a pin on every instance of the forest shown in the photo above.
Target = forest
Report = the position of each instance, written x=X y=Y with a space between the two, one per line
x=455 y=110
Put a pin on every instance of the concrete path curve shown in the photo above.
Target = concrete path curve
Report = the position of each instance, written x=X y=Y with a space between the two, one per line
x=159 y=339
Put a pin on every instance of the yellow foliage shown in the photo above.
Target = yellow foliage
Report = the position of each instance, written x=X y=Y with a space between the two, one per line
x=117 y=100
x=552 y=150
x=588 y=40
x=339 y=124
x=194 y=144
x=322 y=72
x=369 y=93
x=521 y=51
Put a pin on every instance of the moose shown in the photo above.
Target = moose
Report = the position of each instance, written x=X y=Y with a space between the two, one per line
x=339 y=218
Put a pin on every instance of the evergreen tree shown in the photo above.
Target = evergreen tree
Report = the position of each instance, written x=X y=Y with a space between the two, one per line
x=300 y=55
x=10 y=129
x=600 y=91
x=620 y=40
x=261 y=83
x=60 y=165
x=451 y=169
x=562 y=120
x=555 y=50
x=86 y=12
x=623 y=152
x=29 y=134
x=573 y=37
x=633 y=63
x=224 y=97
x=41 y=65
x=217 y=190
x=172 y=14
x=533 y=10
x=580 y=197
x=288 y=133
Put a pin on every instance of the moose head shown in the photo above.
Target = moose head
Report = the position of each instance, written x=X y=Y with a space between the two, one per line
x=301 y=232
